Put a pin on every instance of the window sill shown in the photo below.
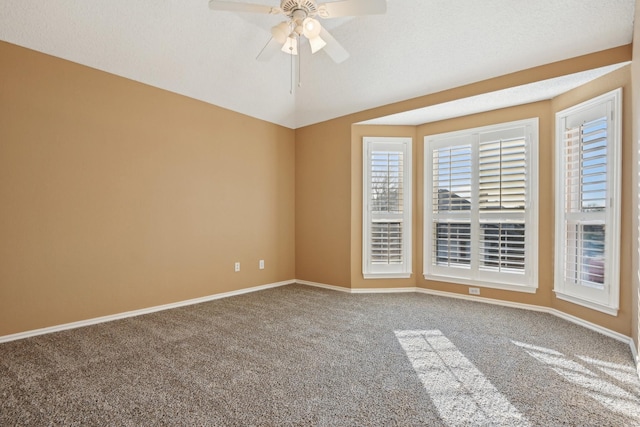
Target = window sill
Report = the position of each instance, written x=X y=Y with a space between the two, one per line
x=529 y=289
x=386 y=275
x=612 y=311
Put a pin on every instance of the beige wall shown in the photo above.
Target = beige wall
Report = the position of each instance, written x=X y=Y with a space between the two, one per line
x=635 y=84
x=329 y=167
x=118 y=196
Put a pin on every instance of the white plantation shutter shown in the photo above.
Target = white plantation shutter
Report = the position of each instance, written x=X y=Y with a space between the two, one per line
x=587 y=217
x=387 y=207
x=585 y=202
x=502 y=197
x=502 y=169
x=451 y=205
x=481 y=215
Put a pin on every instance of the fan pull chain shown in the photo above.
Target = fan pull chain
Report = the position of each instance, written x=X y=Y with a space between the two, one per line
x=291 y=77
x=299 y=62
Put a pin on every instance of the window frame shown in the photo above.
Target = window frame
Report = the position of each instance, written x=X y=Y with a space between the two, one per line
x=391 y=271
x=522 y=282
x=606 y=300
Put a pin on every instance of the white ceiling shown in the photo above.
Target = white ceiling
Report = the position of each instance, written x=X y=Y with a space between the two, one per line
x=418 y=47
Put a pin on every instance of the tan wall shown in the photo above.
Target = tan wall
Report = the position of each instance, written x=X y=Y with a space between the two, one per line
x=323 y=195
x=328 y=178
x=118 y=196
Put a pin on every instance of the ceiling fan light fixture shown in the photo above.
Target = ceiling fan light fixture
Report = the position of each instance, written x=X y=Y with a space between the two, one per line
x=280 y=32
x=291 y=45
x=311 y=28
x=316 y=44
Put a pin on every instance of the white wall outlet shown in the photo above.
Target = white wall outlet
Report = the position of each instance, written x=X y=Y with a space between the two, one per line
x=474 y=291
x=261 y=264
x=237 y=267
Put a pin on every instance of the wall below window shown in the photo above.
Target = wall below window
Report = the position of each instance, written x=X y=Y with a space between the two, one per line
x=117 y=196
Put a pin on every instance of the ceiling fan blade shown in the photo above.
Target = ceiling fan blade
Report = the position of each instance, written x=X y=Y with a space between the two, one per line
x=242 y=7
x=272 y=47
x=333 y=48
x=337 y=9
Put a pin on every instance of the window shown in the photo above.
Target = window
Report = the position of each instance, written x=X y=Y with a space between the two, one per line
x=588 y=203
x=480 y=206
x=387 y=208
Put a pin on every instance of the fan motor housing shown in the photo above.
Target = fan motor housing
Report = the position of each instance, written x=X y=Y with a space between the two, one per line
x=290 y=6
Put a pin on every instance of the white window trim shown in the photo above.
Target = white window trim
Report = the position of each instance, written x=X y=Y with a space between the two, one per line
x=401 y=271
x=529 y=283
x=607 y=300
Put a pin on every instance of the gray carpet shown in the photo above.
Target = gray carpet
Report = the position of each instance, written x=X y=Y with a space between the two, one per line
x=298 y=355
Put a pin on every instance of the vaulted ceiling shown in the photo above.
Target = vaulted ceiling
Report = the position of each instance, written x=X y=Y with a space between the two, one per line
x=418 y=47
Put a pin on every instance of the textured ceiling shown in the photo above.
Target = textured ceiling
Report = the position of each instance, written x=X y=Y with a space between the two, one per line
x=418 y=47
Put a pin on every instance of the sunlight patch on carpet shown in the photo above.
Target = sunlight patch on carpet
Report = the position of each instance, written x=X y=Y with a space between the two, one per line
x=594 y=385
x=460 y=392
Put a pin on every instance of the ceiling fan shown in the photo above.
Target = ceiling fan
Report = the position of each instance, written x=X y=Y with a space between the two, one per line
x=301 y=21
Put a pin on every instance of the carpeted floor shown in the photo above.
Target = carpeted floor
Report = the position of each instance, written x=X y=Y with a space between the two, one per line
x=298 y=355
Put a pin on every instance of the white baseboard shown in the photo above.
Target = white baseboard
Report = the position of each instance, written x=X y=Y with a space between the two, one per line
x=356 y=290
x=597 y=328
x=322 y=285
x=634 y=353
x=103 y=319
x=565 y=316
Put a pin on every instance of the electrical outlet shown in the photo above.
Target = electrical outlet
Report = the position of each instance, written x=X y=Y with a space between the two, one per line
x=237 y=267
x=474 y=291
x=261 y=264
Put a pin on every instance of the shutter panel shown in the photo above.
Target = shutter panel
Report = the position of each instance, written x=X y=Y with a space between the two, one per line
x=386 y=239
x=502 y=246
x=386 y=242
x=502 y=197
x=452 y=179
x=387 y=190
x=585 y=203
x=452 y=244
x=502 y=171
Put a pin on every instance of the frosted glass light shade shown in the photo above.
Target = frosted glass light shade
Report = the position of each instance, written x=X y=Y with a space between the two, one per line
x=316 y=44
x=290 y=46
x=280 y=32
x=311 y=27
